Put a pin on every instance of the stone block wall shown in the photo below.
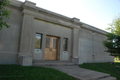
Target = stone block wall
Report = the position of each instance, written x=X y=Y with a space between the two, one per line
x=91 y=49
x=10 y=38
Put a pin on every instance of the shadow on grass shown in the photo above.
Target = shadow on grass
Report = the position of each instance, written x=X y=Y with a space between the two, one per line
x=16 y=72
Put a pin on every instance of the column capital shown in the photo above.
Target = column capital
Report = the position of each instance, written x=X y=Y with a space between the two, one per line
x=75 y=19
x=29 y=3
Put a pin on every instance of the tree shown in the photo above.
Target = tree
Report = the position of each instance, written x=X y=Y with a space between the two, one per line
x=112 y=43
x=115 y=26
x=4 y=13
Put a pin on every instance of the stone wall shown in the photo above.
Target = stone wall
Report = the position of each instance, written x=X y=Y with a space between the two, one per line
x=46 y=28
x=10 y=38
x=17 y=43
x=91 y=48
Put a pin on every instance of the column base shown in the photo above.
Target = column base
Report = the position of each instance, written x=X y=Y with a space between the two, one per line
x=77 y=60
x=25 y=59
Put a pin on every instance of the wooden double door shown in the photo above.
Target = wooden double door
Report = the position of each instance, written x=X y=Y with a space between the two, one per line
x=51 y=48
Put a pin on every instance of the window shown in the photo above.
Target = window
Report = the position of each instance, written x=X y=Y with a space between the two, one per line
x=65 y=44
x=38 y=41
x=47 y=42
x=54 y=44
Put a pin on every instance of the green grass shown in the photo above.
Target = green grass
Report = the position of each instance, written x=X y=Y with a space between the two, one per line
x=16 y=72
x=104 y=67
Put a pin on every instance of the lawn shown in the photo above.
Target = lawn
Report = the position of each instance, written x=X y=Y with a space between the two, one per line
x=112 y=69
x=16 y=72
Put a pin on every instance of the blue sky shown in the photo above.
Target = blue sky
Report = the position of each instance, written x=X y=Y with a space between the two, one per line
x=98 y=13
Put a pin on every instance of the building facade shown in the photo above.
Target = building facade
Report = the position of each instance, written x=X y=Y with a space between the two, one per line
x=39 y=34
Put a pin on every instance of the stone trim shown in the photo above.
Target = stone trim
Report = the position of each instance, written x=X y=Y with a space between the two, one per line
x=54 y=17
x=50 y=19
x=89 y=27
x=8 y=52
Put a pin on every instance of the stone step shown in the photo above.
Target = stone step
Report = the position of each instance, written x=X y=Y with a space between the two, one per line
x=53 y=63
x=108 y=78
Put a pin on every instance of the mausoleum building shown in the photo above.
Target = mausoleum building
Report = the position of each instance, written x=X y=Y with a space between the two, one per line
x=39 y=35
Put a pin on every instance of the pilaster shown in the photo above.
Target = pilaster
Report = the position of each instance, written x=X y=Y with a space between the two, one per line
x=75 y=44
x=61 y=48
x=26 y=39
x=43 y=46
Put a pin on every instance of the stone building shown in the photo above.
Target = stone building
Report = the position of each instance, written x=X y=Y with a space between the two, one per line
x=37 y=34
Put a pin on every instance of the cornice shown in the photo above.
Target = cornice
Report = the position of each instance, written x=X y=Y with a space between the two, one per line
x=50 y=19
x=30 y=8
x=94 y=29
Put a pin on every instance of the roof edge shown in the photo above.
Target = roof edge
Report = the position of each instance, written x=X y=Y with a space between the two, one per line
x=75 y=20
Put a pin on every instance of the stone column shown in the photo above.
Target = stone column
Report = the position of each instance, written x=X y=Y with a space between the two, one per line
x=26 y=36
x=61 y=48
x=26 y=39
x=43 y=46
x=75 y=43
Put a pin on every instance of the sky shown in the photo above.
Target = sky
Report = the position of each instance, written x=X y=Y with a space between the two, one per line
x=98 y=13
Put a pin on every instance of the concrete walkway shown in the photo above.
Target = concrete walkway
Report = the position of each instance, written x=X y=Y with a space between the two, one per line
x=83 y=74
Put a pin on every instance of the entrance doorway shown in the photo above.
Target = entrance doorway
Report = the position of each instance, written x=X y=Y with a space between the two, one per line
x=51 y=48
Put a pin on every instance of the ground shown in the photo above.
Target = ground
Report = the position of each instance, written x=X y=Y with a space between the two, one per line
x=112 y=69
x=16 y=72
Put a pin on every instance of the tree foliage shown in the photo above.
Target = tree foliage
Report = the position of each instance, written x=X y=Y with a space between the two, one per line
x=115 y=26
x=4 y=14
x=112 y=43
